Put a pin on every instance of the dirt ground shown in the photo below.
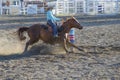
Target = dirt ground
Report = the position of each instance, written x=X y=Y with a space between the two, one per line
x=101 y=61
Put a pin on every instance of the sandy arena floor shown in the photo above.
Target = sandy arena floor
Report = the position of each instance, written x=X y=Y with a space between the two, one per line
x=101 y=61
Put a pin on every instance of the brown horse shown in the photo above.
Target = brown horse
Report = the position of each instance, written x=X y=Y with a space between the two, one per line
x=40 y=31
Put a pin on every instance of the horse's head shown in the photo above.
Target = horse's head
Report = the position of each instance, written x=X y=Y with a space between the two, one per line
x=73 y=23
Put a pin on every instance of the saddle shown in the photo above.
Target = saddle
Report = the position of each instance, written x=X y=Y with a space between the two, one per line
x=49 y=28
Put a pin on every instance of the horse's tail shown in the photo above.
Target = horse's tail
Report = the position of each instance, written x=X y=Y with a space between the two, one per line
x=20 y=33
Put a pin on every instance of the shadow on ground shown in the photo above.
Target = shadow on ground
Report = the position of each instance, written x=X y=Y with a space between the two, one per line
x=34 y=50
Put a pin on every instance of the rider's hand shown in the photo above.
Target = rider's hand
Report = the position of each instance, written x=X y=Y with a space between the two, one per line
x=62 y=20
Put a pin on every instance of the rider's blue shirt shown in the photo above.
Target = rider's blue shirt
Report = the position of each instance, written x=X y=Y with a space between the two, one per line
x=51 y=17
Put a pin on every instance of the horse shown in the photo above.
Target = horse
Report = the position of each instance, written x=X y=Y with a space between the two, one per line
x=39 y=31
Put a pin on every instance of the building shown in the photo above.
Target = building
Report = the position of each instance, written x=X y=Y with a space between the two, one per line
x=70 y=7
x=16 y=7
x=41 y=5
x=99 y=7
x=9 y=7
x=90 y=7
x=61 y=7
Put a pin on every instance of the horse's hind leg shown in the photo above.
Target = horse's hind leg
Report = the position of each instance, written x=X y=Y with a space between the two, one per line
x=30 y=42
x=26 y=46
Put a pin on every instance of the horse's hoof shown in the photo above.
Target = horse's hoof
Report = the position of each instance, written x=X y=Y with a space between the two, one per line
x=24 y=51
x=85 y=50
x=80 y=49
x=69 y=52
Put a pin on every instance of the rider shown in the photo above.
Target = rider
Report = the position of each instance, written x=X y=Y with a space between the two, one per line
x=51 y=20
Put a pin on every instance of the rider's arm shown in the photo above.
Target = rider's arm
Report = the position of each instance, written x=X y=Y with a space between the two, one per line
x=58 y=19
x=52 y=17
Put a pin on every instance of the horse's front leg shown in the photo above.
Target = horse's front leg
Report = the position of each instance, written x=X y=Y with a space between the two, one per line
x=65 y=46
x=71 y=44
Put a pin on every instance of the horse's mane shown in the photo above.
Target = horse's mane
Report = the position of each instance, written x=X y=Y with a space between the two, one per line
x=65 y=21
x=62 y=27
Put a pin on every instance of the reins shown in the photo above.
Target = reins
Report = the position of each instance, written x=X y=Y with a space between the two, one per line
x=65 y=26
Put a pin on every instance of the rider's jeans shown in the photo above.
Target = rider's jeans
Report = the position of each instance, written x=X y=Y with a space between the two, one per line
x=54 y=27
